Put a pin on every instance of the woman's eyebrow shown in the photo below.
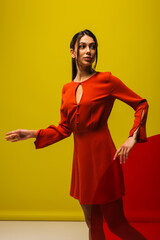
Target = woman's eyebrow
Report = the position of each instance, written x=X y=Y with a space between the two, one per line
x=90 y=43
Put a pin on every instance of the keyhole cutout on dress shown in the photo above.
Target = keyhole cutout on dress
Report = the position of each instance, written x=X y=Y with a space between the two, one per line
x=137 y=131
x=78 y=93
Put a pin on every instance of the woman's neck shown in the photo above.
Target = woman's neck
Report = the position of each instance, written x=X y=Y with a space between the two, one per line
x=83 y=74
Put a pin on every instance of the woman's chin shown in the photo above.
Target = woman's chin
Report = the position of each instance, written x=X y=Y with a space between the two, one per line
x=87 y=63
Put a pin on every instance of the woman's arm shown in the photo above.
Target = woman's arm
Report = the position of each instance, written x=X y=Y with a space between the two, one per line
x=44 y=137
x=20 y=134
x=120 y=91
x=53 y=134
x=138 y=131
x=33 y=133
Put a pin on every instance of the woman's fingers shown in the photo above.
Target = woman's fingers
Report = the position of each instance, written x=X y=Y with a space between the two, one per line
x=127 y=152
x=116 y=154
x=125 y=149
x=14 y=140
x=18 y=135
x=12 y=137
x=12 y=132
x=123 y=154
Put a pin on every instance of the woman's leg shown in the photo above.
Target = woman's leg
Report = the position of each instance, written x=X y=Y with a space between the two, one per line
x=117 y=223
x=94 y=221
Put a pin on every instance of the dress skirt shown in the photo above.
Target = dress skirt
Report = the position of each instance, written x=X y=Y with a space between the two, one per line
x=96 y=177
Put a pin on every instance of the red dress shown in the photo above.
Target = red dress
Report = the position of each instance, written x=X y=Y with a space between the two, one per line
x=96 y=177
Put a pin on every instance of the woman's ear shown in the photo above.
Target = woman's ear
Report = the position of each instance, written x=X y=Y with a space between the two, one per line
x=72 y=53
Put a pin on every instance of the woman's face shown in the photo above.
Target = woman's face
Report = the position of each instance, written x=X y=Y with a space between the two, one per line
x=87 y=48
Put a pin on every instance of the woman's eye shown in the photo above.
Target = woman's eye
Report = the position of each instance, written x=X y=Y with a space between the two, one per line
x=83 y=46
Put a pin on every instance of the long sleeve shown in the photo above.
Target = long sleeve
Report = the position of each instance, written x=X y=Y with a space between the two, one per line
x=53 y=134
x=120 y=91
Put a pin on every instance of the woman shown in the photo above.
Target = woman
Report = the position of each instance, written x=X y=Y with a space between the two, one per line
x=97 y=177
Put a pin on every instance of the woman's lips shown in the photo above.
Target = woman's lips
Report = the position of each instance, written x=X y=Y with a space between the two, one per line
x=87 y=58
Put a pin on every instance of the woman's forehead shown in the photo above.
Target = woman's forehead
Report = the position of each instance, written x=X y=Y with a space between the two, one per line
x=86 y=39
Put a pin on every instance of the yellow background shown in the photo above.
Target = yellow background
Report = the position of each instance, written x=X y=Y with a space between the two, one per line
x=35 y=63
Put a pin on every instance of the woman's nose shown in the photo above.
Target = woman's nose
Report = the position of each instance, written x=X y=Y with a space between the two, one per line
x=88 y=49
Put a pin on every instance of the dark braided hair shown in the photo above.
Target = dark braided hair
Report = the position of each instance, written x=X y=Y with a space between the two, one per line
x=77 y=38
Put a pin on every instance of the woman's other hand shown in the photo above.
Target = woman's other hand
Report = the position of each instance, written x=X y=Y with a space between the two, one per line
x=20 y=134
x=125 y=149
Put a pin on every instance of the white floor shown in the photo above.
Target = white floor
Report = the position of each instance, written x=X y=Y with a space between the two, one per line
x=43 y=230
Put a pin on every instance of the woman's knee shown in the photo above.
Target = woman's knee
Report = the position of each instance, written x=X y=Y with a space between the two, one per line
x=88 y=222
x=113 y=214
x=93 y=215
x=87 y=213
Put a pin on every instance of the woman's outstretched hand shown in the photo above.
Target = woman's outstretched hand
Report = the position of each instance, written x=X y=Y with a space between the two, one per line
x=20 y=134
x=125 y=149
